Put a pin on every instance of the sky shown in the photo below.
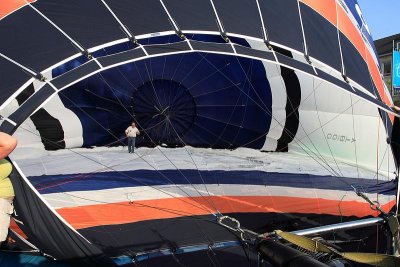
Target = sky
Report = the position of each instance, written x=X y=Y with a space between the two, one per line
x=382 y=17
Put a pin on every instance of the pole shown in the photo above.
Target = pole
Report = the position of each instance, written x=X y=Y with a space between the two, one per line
x=392 y=87
x=362 y=223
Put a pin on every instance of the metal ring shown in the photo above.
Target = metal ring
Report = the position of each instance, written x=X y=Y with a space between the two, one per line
x=375 y=206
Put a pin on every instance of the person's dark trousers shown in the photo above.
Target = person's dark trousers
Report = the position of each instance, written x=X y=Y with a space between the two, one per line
x=131 y=144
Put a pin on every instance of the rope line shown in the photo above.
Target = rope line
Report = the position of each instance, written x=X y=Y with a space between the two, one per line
x=209 y=200
x=265 y=109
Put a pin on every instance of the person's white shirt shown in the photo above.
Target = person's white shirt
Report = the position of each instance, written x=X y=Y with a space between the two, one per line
x=132 y=131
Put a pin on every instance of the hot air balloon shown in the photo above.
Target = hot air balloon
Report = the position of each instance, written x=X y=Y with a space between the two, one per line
x=255 y=116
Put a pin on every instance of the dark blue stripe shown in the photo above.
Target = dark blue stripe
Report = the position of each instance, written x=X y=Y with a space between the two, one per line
x=106 y=180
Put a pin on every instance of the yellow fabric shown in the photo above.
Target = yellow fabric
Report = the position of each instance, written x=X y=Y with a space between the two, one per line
x=303 y=242
x=6 y=188
x=379 y=260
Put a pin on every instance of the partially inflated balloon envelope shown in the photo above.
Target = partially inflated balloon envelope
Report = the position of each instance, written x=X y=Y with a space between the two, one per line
x=273 y=112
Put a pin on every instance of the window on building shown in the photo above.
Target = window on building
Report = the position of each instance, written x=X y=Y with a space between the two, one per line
x=386 y=67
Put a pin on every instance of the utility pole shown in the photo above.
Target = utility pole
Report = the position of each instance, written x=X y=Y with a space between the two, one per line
x=392 y=76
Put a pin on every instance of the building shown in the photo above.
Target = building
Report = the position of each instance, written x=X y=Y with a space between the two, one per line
x=384 y=48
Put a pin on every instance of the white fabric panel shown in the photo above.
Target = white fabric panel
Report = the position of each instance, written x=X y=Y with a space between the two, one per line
x=72 y=127
x=330 y=133
x=299 y=57
x=27 y=135
x=38 y=162
x=279 y=98
x=323 y=67
x=140 y=193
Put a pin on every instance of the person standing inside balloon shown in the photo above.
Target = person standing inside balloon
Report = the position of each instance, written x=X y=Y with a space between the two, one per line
x=131 y=133
x=7 y=145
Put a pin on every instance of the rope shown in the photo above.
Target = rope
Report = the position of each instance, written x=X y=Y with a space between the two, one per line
x=198 y=192
x=303 y=146
x=199 y=205
x=374 y=205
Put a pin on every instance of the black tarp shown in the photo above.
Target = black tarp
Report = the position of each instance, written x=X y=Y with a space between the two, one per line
x=395 y=139
x=48 y=232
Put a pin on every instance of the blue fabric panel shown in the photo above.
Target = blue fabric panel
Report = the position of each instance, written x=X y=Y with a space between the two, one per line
x=282 y=22
x=70 y=65
x=88 y=22
x=355 y=66
x=11 y=78
x=204 y=46
x=141 y=16
x=193 y=14
x=255 y=53
x=47 y=184
x=231 y=96
x=351 y=7
x=31 y=104
x=167 y=48
x=29 y=39
x=321 y=38
x=119 y=57
x=234 y=14
x=75 y=74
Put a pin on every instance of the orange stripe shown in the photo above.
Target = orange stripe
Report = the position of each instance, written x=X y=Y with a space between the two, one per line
x=376 y=77
x=327 y=9
x=9 y=6
x=347 y=27
x=123 y=212
x=14 y=226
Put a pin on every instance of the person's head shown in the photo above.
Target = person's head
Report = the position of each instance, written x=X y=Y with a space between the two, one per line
x=133 y=124
x=7 y=144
